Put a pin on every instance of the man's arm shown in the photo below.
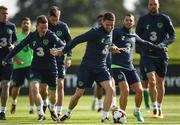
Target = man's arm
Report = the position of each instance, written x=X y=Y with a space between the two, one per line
x=171 y=33
x=17 y=49
x=77 y=40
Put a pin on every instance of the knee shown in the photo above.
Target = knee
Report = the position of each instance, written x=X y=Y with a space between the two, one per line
x=5 y=85
x=78 y=94
x=124 y=92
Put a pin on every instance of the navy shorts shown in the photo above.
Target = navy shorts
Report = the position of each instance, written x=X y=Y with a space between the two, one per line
x=19 y=76
x=87 y=75
x=6 y=72
x=155 y=64
x=61 y=71
x=142 y=72
x=44 y=76
x=130 y=76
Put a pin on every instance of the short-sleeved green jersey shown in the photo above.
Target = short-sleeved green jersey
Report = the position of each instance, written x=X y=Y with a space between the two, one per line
x=26 y=54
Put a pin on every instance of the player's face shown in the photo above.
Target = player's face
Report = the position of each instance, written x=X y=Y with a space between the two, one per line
x=128 y=22
x=54 y=20
x=100 y=20
x=153 y=6
x=26 y=25
x=3 y=15
x=42 y=28
x=108 y=25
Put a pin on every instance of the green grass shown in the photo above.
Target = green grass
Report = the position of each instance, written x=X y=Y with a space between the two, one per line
x=84 y=115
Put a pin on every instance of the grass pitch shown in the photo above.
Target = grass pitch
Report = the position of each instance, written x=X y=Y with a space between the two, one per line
x=85 y=116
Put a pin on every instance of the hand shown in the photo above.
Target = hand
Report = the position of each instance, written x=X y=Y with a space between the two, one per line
x=67 y=63
x=4 y=63
x=117 y=50
x=19 y=62
x=163 y=47
x=56 y=52
x=11 y=47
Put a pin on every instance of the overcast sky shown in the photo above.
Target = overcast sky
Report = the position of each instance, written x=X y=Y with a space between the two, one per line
x=11 y=4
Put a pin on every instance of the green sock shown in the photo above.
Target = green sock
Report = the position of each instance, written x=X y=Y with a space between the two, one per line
x=146 y=98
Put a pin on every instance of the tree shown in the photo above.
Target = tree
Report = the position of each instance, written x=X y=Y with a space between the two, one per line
x=74 y=12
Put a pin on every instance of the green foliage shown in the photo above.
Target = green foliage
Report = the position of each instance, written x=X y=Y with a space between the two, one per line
x=85 y=116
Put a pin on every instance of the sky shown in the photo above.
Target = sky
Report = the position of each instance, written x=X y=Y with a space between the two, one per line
x=11 y=4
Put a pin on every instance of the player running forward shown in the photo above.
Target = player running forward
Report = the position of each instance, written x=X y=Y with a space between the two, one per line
x=93 y=66
x=124 y=72
x=43 y=66
x=7 y=39
x=158 y=29
x=62 y=31
x=98 y=90
x=21 y=66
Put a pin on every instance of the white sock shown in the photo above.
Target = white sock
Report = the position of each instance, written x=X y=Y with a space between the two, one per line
x=146 y=89
x=45 y=102
x=31 y=107
x=137 y=109
x=40 y=110
x=3 y=109
x=105 y=115
x=155 y=106
x=100 y=103
x=113 y=102
x=59 y=109
x=69 y=112
x=14 y=102
x=51 y=106
x=159 y=105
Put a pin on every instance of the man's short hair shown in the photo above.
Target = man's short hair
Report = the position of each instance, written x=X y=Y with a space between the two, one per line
x=3 y=8
x=42 y=19
x=109 y=16
x=26 y=19
x=100 y=16
x=54 y=11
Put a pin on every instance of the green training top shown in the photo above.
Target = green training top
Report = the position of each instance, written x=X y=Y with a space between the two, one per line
x=26 y=54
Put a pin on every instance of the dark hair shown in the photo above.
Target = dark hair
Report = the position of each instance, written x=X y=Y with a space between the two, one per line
x=100 y=16
x=129 y=14
x=109 y=16
x=41 y=19
x=3 y=8
x=54 y=11
x=26 y=19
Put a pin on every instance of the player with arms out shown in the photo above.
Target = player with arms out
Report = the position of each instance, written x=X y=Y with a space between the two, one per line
x=124 y=72
x=7 y=39
x=93 y=66
x=43 y=66
x=158 y=29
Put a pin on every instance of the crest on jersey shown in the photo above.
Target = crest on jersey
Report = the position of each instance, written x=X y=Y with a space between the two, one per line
x=80 y=83
x=9 y=31
x=159 y=25
x=45 y=41
x=58 y=33
x=147 y=27
x=120 y=76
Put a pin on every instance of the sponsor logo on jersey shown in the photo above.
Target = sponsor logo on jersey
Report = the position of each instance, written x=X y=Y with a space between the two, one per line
x=147 y=26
